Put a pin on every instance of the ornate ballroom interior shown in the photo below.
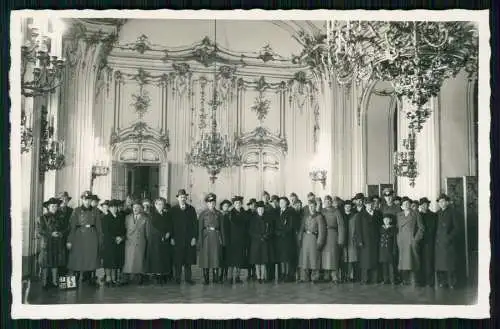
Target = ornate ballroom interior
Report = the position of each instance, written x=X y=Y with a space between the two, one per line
x=136 y=106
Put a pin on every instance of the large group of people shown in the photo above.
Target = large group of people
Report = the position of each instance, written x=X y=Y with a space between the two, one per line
x=379 y=239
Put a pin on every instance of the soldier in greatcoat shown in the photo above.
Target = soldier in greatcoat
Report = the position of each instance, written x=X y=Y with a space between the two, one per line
x=85 y=238
x=158 y=230
x=52 y=230
x=335 y=237
x=236 y=239
x=184 y=237
x=285 y=240
x=429 y=218
x=410 y=233
x=113 y=243
x=135 y=243
x=447 y=233
x=312 y=235
x=366 y=234
x=211 y=239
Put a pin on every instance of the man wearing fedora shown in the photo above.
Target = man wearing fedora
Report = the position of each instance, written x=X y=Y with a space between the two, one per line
x=427 y=243
x=251 y=211
x=84 y=238
x=184 y=237
x=447 y=232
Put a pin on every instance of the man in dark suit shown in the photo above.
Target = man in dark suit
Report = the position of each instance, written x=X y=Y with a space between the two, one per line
x=427 y=244
x=184 y=236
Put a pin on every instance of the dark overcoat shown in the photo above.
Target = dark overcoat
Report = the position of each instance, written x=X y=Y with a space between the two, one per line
x=387 y=244
x=261 y=230
x=236 y=238
x=427 y=244
x=184 y=229
x=447 y=233
x=85 y=236
x=285 y=236
x=351 y=247
x=113 y=253
x=366 y=234
x=53 y=252
x=158 y=248
x=211 y=238
x=410 y=233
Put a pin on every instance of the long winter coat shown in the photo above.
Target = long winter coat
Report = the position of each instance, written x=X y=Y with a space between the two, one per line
x=226 y=217
x=285 y=237
x=85 y=236
x=387 y=244
x=184 y=229
x=211 y=238
x=261 y=230
x=312 y=237
x=429 y=219
x=135 y=243
x=447 y=234
x=113 y=253
x=274 y=216
x=236 y=238
x=335 y=238
x=351 y=247
x=158 y=248
x=410 y=233
x=366 y=234
x=53 y=252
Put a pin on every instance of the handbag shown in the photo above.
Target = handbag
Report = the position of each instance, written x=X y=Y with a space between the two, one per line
x=67 y=282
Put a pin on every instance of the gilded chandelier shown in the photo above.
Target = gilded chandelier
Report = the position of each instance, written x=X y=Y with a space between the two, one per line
x=213 y=151
x=48 y=69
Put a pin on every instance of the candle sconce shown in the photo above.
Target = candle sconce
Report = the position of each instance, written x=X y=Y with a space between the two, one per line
x=98 y=170
x=51 y=150
x=26 y=132
x=318 y=175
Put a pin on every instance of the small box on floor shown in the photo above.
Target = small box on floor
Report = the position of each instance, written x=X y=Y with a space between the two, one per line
x=67 y=282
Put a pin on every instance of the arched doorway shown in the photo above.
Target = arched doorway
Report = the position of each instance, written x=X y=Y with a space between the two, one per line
x=380 y=130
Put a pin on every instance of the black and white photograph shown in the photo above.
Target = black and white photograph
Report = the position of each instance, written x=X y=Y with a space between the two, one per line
x=252 y=163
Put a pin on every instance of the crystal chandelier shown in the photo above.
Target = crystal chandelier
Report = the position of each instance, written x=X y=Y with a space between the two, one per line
x=48 y=72
x=213 y=151
x=405 y=164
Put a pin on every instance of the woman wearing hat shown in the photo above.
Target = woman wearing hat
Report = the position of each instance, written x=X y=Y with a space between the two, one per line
x=447 y=233
x=251 y=212
x=113 y=243
x=350 y=258
x=183 y=237
x=410 y=233
x=211 y=239
x=52 y=230
x=312 y=235
x=225 y=208
x=84 y=238
x=158 y=230
x=261 y=227
x=285 y=244
x=335 y=236
x=427 y=245
x=236 y=240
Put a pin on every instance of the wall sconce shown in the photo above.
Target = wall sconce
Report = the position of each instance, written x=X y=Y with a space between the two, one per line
x=98 y=170
x=100 y=166
x=318 y=175
x=51 y=149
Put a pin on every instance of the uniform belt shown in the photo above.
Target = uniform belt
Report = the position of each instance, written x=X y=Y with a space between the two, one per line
x=209 y=228
x=85 y=226
x=311 y=232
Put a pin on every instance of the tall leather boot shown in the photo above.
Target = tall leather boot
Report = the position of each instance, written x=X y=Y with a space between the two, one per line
x=206 y=278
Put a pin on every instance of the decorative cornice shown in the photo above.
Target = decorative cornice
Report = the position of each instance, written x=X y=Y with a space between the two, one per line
x=139 y=133
x=262 y=137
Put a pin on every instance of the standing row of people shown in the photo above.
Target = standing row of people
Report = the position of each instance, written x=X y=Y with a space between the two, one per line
x=273 y=239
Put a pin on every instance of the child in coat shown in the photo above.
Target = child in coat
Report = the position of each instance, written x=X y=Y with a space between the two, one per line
x=387 y=250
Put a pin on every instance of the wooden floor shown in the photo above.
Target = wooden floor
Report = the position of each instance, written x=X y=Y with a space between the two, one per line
x=255 y=293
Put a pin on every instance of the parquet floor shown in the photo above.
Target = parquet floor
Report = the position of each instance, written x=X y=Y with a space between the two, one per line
x=255 y=293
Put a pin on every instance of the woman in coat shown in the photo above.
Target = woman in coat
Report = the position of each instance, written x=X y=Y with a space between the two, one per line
x=410 y=232
x=427 y=245
x=335 y=236
x=135 y=243
x=350 y=257
x=52 y=230
x=113 y=245
x=312 y=235
x=366 y=234
x=447 y=233
x=211 y=239
x=225 y=208
x=285 y=240
x=260 y=233
x=158 y=230
x=236 y=240
x=85 y=238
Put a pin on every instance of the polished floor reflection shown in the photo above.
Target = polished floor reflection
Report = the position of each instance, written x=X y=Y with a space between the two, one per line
x=255 y=293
